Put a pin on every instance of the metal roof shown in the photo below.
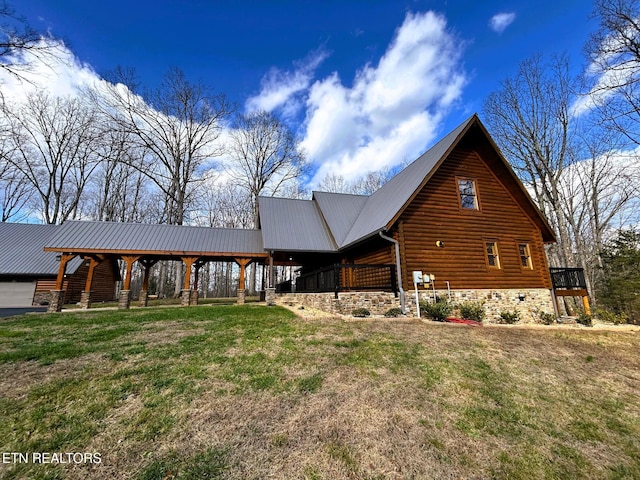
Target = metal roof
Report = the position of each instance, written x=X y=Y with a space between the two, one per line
x=385 y=203
x=294 y=225
x=81 y=236
x=21 y=250
x=340 y=211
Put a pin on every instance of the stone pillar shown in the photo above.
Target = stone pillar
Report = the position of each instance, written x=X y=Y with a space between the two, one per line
x=124 y=301
x=85 y=299
x=185 y=298
x=241 y=296
x=270 y=296
x=144 y=298
x=193 y=297
x=57 y=299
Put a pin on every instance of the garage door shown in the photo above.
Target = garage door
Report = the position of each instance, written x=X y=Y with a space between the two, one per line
x=16 y=294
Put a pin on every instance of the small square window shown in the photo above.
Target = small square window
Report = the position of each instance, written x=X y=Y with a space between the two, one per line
x=468 y=193
x=525 y=256
x=493 y=257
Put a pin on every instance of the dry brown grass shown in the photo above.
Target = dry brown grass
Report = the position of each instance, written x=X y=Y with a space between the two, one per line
x=387 y=399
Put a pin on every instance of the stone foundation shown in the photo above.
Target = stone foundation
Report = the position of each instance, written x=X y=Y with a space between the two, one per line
x=528 y=302
x=85 y=299
x=56 y=299
x=189 y=298
x=143 y=298
x=124 y=301
x=241 y=296
x=270 y=296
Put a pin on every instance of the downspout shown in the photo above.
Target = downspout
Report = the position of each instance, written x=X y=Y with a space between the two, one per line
x=398 y=271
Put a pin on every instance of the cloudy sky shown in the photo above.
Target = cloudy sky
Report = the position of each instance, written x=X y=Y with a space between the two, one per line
x=365 y=84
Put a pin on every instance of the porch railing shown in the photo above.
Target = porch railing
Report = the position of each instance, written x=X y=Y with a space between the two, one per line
x=568 y=278
x=344 y=277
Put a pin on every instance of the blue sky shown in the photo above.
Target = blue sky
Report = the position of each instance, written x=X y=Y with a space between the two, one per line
x=366 y=84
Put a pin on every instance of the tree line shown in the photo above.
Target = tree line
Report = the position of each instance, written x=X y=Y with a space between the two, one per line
x=181 y=153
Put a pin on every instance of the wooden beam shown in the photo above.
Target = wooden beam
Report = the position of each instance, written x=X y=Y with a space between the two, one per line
x=146 y=264
x=243 y=262
x=571 y=293
x=93 y=263
x=188 y=261
x=129 y=260
x=64 y=259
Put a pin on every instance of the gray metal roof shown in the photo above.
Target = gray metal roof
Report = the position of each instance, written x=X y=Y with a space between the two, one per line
x=340 y=211
x=294 y=225
x=21 y=250
x=140 y=237
x=385 y=203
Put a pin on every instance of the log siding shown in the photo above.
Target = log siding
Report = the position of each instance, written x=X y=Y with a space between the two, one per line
x=435 y=215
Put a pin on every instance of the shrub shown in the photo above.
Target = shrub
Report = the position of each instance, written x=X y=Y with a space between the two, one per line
x=393 y=312
x=437 y=311
x=612 y=317
x=584 y=319
x=546 y=318
x=360 y=312
x=472 y=311
x=509 y=317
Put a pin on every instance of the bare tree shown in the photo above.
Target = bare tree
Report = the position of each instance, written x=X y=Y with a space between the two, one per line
x=178 y=126
x=614 y=51
x=52 y=145
x=266 y=156
x=18 y=38
x=365 y=185
x=15 y=192
x=529 y=118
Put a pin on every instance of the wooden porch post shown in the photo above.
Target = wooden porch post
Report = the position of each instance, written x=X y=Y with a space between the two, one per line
x=125 y=293
x=85 y=299
x=242 y=262
x=146 y=263
x=57 y=295
x=585 y=305
x=188 y=261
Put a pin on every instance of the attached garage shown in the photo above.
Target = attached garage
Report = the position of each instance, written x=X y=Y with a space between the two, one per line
x=25 y=268
x=17 y=293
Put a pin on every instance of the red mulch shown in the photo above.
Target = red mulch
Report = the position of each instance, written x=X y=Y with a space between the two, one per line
x=464 y=321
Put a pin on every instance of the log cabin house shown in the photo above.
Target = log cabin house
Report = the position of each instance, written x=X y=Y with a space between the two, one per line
x=458 y=215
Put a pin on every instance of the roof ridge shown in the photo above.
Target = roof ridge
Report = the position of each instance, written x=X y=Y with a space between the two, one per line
x=405 y=182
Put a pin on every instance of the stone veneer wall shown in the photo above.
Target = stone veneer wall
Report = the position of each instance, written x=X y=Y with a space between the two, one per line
x=495 y=301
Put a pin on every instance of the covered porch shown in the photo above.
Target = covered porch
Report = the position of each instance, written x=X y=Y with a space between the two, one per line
x=145 y=245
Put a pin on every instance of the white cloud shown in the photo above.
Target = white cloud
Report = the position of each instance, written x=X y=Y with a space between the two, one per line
x=57 y=70
x=279 y=88
x=393 y=110
x=500 y=21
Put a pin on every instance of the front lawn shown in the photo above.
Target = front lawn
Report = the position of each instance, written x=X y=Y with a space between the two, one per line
x=254 y=392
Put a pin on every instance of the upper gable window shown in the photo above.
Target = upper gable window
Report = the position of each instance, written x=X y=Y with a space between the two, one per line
x=468 y=193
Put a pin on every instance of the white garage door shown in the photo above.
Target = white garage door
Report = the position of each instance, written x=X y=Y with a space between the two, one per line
x=16 y=294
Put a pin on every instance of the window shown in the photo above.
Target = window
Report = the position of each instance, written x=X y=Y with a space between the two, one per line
x=468 y=193
x=493 y=257
x=525 y=256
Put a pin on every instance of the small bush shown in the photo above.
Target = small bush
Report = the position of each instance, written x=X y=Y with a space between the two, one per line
x=437 y=311
x=546 y=318
x=393 y=312
x=472 y=311
x=584 y=319
x=509 y=317
x=360 y=312
x=612 y=317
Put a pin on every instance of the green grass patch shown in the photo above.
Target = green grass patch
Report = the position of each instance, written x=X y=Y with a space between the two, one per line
x=248 y=391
